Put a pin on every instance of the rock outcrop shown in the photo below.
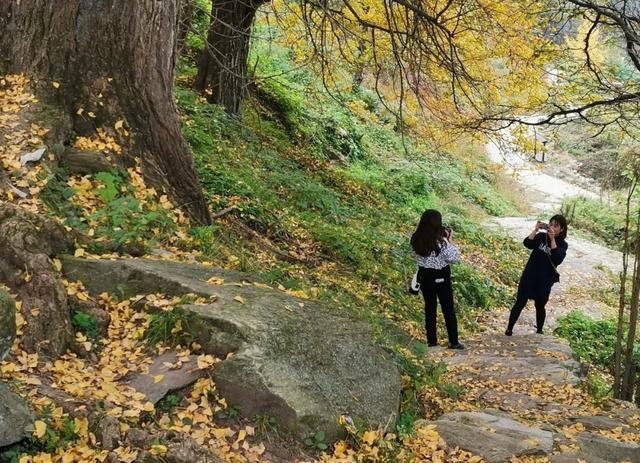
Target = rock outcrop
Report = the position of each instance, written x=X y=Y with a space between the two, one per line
x=299 y=361
x=27 y=244
x=7 y=323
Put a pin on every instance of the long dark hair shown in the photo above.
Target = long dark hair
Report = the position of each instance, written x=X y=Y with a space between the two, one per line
x=429 y=236
x=562 y=222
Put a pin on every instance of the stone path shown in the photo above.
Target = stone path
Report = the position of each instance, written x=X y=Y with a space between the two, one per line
x=522 y=397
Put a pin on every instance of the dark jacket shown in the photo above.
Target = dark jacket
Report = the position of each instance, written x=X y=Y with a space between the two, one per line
x=539 y=274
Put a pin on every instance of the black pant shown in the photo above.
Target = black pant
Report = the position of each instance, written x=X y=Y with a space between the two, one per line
x=437 y=284
x=521 y=302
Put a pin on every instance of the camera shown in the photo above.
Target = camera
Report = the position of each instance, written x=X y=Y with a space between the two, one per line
x=543 y=226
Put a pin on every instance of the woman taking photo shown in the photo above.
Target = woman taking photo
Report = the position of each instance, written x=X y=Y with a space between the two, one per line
x=549 y=249
x=434 y=251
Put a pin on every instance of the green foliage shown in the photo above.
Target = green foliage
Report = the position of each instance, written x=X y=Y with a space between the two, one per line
x=56 y=196
x=171 y=327
x=64 y=433
x=593 y=340
x=168 y=403
x=232 y=412
x=597 y=387
x=404 y=425
x=124 y=219
x=86 y=324
x=473 y=290
x=605 y=222
x=265 y=424
x=317 y=441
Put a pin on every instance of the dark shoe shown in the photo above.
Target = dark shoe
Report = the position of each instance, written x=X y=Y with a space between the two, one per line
x=539 y=331
x=508 y=333
x=433 y=344
x=457 y=346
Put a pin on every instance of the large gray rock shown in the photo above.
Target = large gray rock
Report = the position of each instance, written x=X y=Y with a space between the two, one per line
x=7 y=323
x=493 y=436
x=298 y=361
x=16 y=418
x=607 y=449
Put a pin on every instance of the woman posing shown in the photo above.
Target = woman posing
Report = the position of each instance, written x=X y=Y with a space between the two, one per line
x=549 y=250
x=434 y=251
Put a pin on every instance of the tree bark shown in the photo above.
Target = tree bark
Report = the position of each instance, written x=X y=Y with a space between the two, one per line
x=114 y=60
x=222 y=68
x=617 y=361
x=629 y=378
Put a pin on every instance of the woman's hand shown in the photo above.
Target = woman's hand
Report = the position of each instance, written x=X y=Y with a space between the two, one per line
x=552 y=238
x=534 y=232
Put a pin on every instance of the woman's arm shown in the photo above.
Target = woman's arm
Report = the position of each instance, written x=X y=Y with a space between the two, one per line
x=558 y=254
x=450 y=253
x=530 y=241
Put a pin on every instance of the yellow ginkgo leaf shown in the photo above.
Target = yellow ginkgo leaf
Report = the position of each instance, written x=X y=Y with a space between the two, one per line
x=239 y=299
x=40 y=429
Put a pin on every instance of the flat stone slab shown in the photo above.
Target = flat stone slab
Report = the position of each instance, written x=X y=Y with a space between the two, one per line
x=299 y=361
x=602 y=422
x=163 y=377
x=494 y=436
x=607 y=449
x=503 y=358
x=575 y=457
x=16 y=418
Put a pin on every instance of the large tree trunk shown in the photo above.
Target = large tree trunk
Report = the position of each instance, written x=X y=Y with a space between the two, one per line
x=222 y=68
x=116 y=60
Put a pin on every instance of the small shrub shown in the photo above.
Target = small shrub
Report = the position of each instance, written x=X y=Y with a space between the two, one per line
x=86 y=324
x=58 y=434
x=598 y=387
x=317 y=441
x=170 y=327
x=473 y=290
x=265 y=424
x=593 y=340
x=168 y=403
x=404 y=425
x=605 y=222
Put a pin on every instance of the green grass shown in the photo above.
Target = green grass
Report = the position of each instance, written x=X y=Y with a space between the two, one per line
x=602 y=220
x=593 y=340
